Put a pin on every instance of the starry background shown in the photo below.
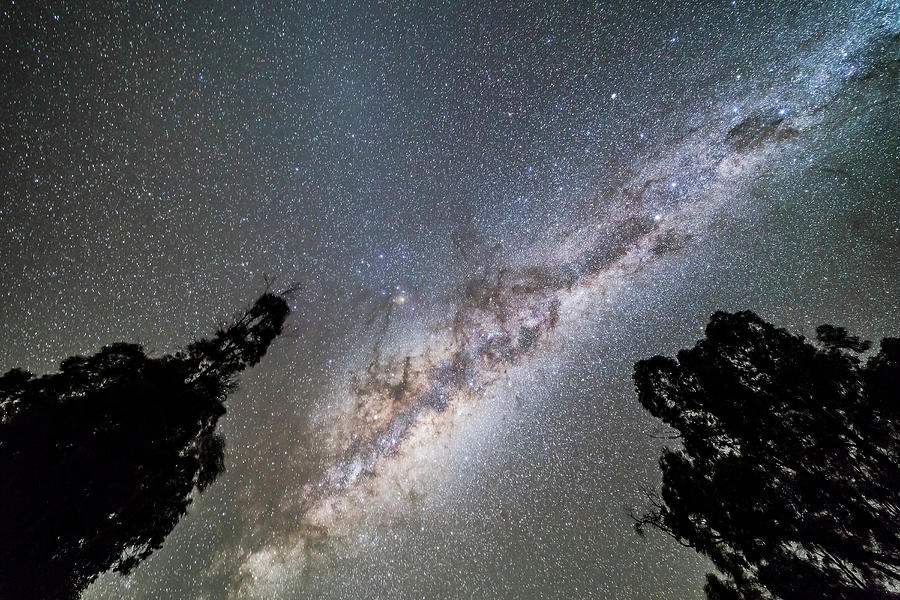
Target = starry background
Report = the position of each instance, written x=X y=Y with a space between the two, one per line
x=159 y=161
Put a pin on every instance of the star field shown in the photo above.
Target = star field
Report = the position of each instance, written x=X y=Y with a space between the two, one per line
x=491 y=211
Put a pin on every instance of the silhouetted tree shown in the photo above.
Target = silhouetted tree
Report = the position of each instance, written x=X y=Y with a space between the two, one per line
x=99 y=461
x=788 y=476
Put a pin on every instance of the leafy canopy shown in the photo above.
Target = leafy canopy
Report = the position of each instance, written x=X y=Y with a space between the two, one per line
x=788 y=474
x=99 y=461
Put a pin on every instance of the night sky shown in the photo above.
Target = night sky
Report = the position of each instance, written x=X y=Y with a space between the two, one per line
x=491 y=213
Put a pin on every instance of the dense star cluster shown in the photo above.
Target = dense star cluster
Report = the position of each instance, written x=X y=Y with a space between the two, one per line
x=491 y=212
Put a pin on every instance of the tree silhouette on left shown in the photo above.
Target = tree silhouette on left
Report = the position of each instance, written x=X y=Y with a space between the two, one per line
x=99 y=461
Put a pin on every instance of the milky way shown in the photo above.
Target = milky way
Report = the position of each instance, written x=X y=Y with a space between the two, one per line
x=491 y=211
x=506 y=314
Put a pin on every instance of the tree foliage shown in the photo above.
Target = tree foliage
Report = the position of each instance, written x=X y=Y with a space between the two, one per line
x=99 y=461
x=788 y=474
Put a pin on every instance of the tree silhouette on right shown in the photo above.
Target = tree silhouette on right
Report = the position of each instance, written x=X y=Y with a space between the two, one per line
x=788 y=472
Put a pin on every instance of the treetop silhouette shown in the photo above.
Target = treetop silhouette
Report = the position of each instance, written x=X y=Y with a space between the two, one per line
x=788 y=474
x=99 y=461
